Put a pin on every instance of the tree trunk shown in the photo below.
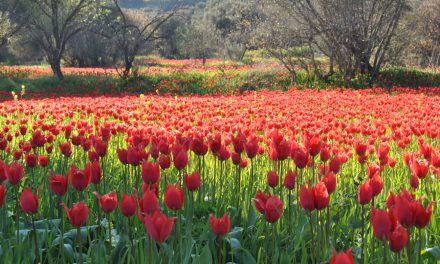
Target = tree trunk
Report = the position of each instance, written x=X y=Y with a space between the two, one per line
x=55 y=64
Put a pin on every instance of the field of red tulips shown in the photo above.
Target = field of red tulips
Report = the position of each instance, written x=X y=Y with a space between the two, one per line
x=303 y=176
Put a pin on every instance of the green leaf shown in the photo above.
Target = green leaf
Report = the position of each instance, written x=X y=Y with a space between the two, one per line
x=235 y=243
x=431 y=253
x=205 y=256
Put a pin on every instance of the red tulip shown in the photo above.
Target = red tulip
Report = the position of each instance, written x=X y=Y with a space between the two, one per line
x=423 y=215
x=100 y=147
x=128 y=205
x=93 y=171
x=164 y=161
x=78 y=178
x=273 y=209
x=174 y=197
x=360 y=148
x=192 y=181
x=122 y=156
x=133 y=156
x=150 y=172
x=300 y=157
x=58 y=183
x=3 y=168
x=260 y=201
x=335 y=165
x=66 y=149
x=43 y=160
x=108 y=202
x=376 y=184
x=14 y=173
x=342 y=258
x=158 y=226
x=330 y=182
x=220 y=226
x=78 y=214
x=2 y=194
x=272 y=179
x=382 y=225
x=321 y=196
x=30 y=160
x=148 y=204
x=180 y=159
x=306 y=198
x=414 y=182
x=398 y=238
x=365 y=194
x=29 y=201
x=404 y=209
x=289 y=180
x=251 y=147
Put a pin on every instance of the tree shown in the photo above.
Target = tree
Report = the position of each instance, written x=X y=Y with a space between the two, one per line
x=54 y=22
x=10 y=21
x=132 y=30
x=354 y=34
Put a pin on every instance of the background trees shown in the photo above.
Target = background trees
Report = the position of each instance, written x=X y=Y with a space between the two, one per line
x=318 y=37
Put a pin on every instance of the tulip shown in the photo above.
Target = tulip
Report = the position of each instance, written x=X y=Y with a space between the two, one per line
x=289 y=180
x=300 y=157
x=398 y=238
x=78 y=214
x=376 y=184
x=365 y=194
x=108 y=202
x=58 y=183
x=29 y=201
x=382 y=225
x=342 y=257
x=66 y=149
x=30 y=160
x=321 y=196
x=93 y=171
x=306 y=198
x=273 y=209
x=330 y=182
x=14 y=173
x=122 y=156
x=180 y=159
x=272 y=179
x=158 y=226
x=128 y=205
x=220 y=226
x=422 y=215
x=192 y=181
x=100 y=147
x=3 y=168
x=150 y=172
x=43 y=160
x=148 y=204
x=174 y=197
x=260 y=201
x=79 y=178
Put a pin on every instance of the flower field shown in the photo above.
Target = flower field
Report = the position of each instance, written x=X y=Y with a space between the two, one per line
x=301 y=176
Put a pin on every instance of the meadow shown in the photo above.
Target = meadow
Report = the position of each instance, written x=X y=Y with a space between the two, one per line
x=296 y=176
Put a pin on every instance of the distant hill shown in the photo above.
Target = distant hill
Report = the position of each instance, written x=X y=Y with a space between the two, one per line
x=164 y=4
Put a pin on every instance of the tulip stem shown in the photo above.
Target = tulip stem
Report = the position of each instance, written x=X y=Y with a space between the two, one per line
x=37 y=251
x=78 y=241
x=17 y=225
x=384 y=251
x=312 y=248
x=362 y=233
x=61 y=216
x=408 y=247
x=109 y=230
x=419 y=255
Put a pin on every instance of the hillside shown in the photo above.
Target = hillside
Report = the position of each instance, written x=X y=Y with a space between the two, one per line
x=155 y=3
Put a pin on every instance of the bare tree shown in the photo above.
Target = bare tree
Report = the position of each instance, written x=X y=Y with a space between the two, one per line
x=54 y=22
x=353 y=34
x=131 y=30
x=10 y=20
